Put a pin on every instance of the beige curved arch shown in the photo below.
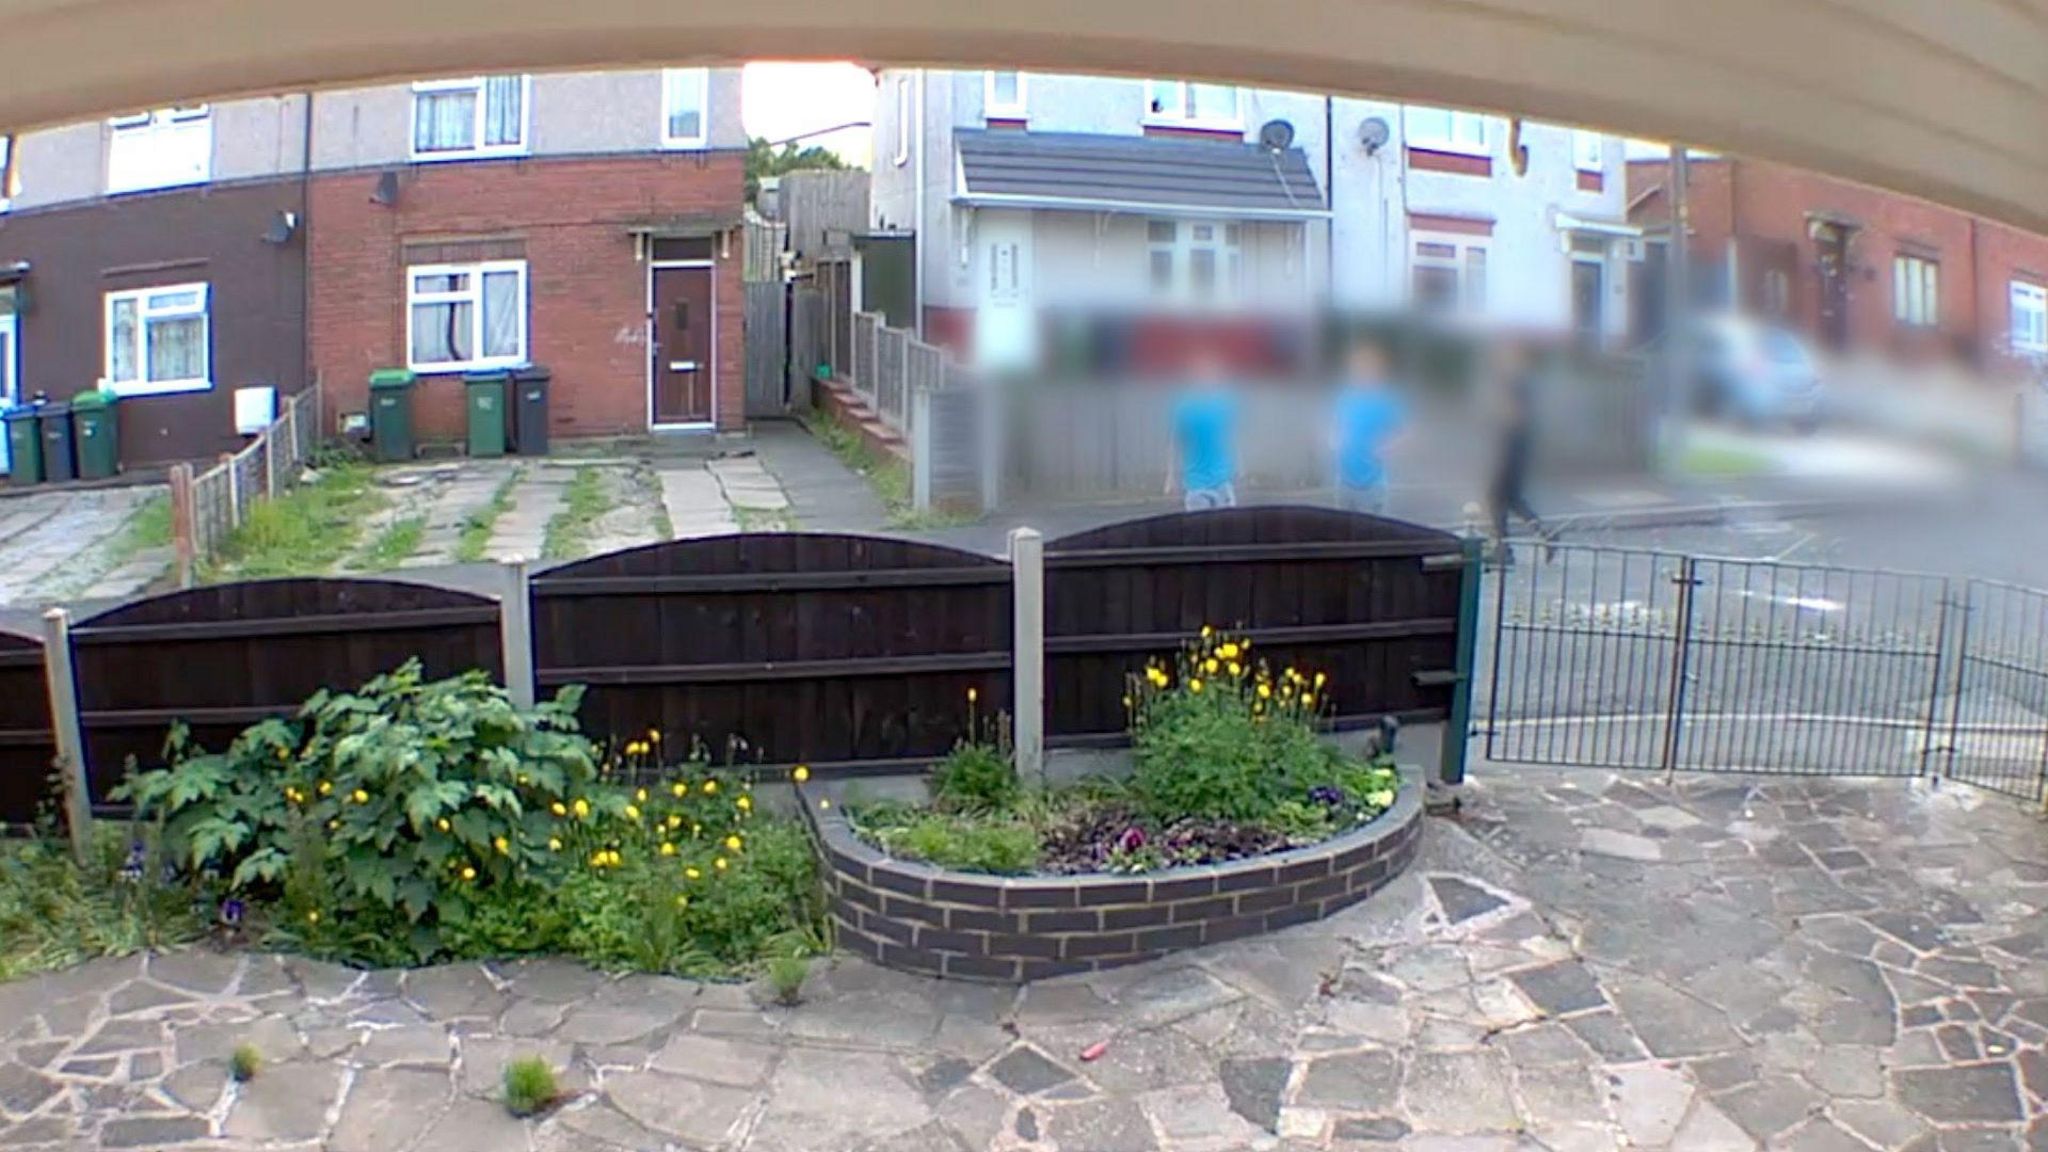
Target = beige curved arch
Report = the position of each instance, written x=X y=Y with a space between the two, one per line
x=1946 y=99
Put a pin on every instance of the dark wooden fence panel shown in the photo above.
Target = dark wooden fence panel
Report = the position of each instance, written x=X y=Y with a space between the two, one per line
x=221 y=658
x=26 y=744
x=1373 y=603
x=810 y=648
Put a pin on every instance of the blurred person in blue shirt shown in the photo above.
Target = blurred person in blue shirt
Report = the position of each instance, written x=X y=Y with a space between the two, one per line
x=1204 y=456
x=1368 y=421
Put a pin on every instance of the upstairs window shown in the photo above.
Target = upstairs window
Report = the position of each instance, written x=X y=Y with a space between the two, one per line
x=2029 y=318
x=471 y=117
x=1186 y=104
x=1003 y=96
x=1588 y=151
x=1443 y=130
x=164 y=148
x=156 y=340
x=10 y=178
x=685 y=99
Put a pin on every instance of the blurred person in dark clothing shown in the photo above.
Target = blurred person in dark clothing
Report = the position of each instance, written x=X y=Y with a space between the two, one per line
x=1507 y=488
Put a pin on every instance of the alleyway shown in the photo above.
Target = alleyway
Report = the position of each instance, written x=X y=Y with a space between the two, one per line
x=1581 y=961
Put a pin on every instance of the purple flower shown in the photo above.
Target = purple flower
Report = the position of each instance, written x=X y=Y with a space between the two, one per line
x=231 y=910
x=1132 y=839
x=132 y=869
x=1328 y=795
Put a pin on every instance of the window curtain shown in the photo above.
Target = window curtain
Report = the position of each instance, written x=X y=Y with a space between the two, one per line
x=444 y=121
x=504 y=314
x=440 y=333
x=504 y=110
x=683 y=99
x=177 y=348
x=121 y=336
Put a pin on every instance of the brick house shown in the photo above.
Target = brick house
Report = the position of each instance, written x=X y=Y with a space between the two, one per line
x=1853 y=267
x=585 y=222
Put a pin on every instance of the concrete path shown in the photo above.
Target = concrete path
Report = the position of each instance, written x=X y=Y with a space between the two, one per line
x=824 y=495
x=1581 y=961
x=69 y=545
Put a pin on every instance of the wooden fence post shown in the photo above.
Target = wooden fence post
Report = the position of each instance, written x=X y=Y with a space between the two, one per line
x=64 y=726
x=184 y=519
x=515 y=632
x=1027 y=644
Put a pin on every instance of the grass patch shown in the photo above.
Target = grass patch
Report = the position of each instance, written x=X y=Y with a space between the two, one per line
x=245 y=1063
x=399 y=540
x=529 y=1086
x=762 y=519
x=304 y=532
x=786 y=976
x=54 y=914
x=888 y=475
x=586 y=501
x=478 y=526
x=149 y=528
x=1699 y=459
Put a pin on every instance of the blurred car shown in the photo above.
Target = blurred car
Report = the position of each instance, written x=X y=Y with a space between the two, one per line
x=1755 y=374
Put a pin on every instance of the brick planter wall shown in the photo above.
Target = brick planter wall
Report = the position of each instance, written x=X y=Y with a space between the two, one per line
x=971 y=926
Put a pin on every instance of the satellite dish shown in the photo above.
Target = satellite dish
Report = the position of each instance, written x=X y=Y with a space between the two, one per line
x=1374 y=134
x=1276 y=135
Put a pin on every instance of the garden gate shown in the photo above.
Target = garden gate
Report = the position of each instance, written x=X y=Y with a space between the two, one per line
x=1625 y=658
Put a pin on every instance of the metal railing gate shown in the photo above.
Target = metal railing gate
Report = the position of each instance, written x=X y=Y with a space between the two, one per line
x=1626 y=658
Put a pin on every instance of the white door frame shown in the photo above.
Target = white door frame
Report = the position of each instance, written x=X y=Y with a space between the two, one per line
x=653 y=330
x=10 y=377
x=1599 y=261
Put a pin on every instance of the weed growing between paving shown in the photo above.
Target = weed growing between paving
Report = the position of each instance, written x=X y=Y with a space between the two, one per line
x=1229 y=762
x=399 y=540
x=303 y=532
x=481 y=522
x=584 y=502
x=529 y=1086
x=414 y=821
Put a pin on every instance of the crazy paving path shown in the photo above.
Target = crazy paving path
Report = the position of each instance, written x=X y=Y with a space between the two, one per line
x=1581 y=962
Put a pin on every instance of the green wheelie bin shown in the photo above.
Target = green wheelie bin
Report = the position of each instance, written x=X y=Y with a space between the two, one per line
x=391 y=435
x=95 y=427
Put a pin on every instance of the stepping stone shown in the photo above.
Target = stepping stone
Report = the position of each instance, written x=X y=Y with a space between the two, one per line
x=1560 y=989
x=1964 y=1094
x=1463 y=900
x=1027 y=1071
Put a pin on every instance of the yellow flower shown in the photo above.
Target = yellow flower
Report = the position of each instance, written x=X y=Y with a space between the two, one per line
x=558 y=808
x=582 y=807
x=654 y=735
x=442 y=824
x=361 y=797
x=1207 y=631
x=614 y=857
x=524 y=779
x=469 y=873
x=696 y=829
x=824 y=804
x=1227 y=651
x=1194 y=685
x=732 y=842
x=1209 y=666
x=679 y=789
x=1308 y=700
x=667 y=849
x=719 y=863
x=1380 y=799
x=597 y=858
x=1127 y=700
x=1319 y=679
x=744 y=804
x=641 y=795
x=633 y=813
x=312 y=917
x=711 y=787
x=1265 y=691
x=682 y=901
x=1236 y=669
x=503 y=846
x=801 y=774
x=554 y=843
x=973 y=695
x=333 y=824
x=675 y=821
x=326 y=786
x=692 y=874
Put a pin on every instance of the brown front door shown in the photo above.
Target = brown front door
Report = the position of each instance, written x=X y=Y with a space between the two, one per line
x=683 y=372
x=1831 y=245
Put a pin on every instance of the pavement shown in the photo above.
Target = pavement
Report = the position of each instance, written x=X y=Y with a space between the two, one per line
x=72 y=544
x=1577 y=961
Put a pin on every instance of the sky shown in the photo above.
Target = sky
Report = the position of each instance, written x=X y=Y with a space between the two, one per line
x=779 y=99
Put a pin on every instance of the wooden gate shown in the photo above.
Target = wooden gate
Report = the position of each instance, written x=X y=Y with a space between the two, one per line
x=767 y=349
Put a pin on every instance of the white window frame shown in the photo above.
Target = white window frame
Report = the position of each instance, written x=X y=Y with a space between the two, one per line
x=1916 y=291
x=143 y=386
x=1229 y=253
x=7 y=173
x=1466 y=133
x=156 y=134
x=1589 y=151
x=1463 y=245
x=474 y=295
x=1176 y=100
x=994 y=109
x=477 y=149
x=674 y=80
x=903 y=125
x=2029 y=298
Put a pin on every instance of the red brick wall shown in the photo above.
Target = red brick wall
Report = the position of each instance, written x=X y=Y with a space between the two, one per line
x=1767 y=206
x=586 y=292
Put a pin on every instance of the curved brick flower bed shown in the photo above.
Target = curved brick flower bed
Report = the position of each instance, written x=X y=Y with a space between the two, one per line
x=971 y=926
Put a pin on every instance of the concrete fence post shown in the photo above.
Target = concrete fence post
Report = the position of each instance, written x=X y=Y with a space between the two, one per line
x=184 y=524
x=1027 y=645
x=920 y=438
x=227 y=461
x=515 y=632
x=269 y=439
x=64 y=727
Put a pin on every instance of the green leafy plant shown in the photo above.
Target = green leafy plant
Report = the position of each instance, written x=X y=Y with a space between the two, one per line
x=997 y=844
x=55 y=912
x=786 y=977
x=980 y=773
x=530 y=1087
x=245 y=1063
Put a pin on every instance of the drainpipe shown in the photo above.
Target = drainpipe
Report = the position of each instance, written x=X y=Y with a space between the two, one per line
x=307 y=370
x=917 y=221
x=1330 y=194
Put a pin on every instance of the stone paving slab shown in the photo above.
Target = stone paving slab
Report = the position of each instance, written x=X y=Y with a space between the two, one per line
x=1519 y=989
x=62 y=545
